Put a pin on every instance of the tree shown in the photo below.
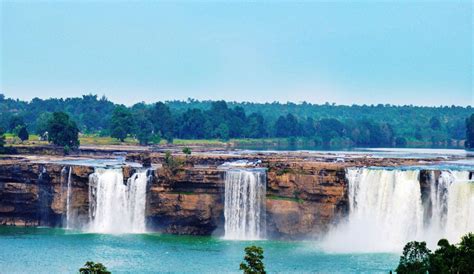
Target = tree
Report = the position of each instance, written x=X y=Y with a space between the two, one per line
x=400 y=142
x=415 y=258
x=2 y=139
x=443 y=260
x=187 y=150
x=16 y=121
x=469 y=144
x=435 y=123
x=163 y=121
x=255 y=126
x=222 y=132
x=62 y=131
x=23 y=133
x=192 y=124
x=121 y=123
x=328 y=129
x=287 y=126
x=143 y=127
x=42 y=123
x=253 y=261
x=281 y=129
x=466 y=253
x=447 y=258
x=93 y=268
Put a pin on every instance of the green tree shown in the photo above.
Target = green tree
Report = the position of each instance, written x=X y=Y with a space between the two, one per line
x=253 y=261
x=163 y=121
x=466 y=254
x=435 y=123
x=255 y=127
x=23 y=133
x=443 y=260
x=144 y=130
x=415 y=258
x=469 y=144
x=93 y=268
x=16 y=121
x=121 y=123
x=187 y=150
x=328 y=129
x=42 y=123
x=62 y=131
x=2 y=139
x=400 y=142
x=222 y=131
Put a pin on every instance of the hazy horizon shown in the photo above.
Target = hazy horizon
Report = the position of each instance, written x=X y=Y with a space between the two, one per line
x=228 y=101
x=342 y=52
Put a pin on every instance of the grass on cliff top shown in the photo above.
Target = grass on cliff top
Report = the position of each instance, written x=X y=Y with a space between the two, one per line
x=87 y=139
x=33 y=139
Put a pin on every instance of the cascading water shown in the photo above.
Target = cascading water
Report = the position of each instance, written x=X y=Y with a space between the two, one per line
x=116 y=207
x=460 y=205
x=68 y=200
x=244 y=209
x=66 y=193
x=386 y=210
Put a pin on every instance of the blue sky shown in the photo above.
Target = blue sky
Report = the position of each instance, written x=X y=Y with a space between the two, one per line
x=344 y=52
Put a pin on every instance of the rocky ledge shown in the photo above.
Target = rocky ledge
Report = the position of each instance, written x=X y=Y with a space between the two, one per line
x=304 y=195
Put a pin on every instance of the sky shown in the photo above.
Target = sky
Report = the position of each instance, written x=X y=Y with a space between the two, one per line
x=361 y=52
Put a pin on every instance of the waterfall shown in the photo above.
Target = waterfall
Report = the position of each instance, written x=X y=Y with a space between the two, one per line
x=460 y=205
x=66 y=193
x=116 y=207
x=244 y=208
x=386 y=210
x=68 y=200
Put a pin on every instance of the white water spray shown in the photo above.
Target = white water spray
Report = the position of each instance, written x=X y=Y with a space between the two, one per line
x=116 y=207
x=386 y=210
x=244 y=209
x=460 y=206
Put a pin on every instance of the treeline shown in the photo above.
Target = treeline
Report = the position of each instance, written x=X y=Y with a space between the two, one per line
x=324 y=125
x=447 y=258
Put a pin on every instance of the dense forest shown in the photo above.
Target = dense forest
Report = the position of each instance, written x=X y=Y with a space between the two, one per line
x=324 y=125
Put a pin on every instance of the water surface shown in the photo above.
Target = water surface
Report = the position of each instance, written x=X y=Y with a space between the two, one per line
x=47 y=250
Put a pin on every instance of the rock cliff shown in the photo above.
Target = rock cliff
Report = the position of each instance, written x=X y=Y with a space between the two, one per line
x=303 y=197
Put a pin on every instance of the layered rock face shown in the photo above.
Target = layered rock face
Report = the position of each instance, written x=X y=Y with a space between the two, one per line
x=303 y=198
x=35 y=194
x=300 y=199
x=189 y=201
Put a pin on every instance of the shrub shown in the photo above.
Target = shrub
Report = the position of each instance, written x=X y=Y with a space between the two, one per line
x=253 y=261
x=93 y=268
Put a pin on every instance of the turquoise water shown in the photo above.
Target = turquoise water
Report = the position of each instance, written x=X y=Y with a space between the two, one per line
x=47 y=250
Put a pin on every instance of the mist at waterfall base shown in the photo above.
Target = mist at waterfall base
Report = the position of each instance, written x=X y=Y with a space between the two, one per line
x=387 y=210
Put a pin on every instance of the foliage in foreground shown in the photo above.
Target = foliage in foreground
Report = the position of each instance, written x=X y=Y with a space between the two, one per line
x=93 y=268
x=253 y=261
x=448 y=258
